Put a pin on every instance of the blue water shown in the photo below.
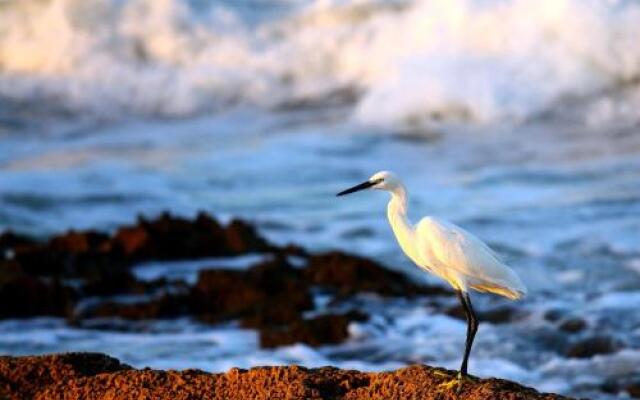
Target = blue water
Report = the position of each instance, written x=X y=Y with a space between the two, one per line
x=266 y=109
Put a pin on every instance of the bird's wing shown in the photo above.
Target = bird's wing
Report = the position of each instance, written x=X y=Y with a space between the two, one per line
x=454 y=248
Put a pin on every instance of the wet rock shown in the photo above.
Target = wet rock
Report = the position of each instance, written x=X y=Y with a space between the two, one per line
x=172 y=238
x=292 y=250
x=270 y=291
x=549 y=338
x=456 y=311
x=81 y=254
x=104 y=261
x=554 y=315
x=81 y=242
x=132 y=241
x=592 y=346
x=271 y=296
x=70 y=255
x=629 y=385
x=93 y=376
x=321 y=330
x=23 y=296
x=242 y=238
x=633 y=389
x=349 y=274
x=106 y=282
x=573 y=325
x=503 y=314
x=11 y=242
x=165 y=306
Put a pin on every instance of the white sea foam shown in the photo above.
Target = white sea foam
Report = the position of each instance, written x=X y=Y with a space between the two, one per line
x=410 y=61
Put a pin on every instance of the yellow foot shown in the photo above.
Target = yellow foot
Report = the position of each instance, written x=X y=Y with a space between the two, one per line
x=456 y=382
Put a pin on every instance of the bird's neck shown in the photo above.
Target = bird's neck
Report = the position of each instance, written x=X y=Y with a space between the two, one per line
x=402 y=227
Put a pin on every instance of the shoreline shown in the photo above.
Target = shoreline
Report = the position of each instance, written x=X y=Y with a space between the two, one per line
x=98 y=376
x=285 y=294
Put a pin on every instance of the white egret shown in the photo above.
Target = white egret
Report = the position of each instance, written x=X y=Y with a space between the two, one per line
x=447 y=251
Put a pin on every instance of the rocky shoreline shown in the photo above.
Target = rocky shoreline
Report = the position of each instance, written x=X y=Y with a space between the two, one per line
x=80 y=276
x=90 y=280
x=97 y=376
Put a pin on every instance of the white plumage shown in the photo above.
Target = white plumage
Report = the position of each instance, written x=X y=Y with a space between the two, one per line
x=446 y=251
x=464 y=260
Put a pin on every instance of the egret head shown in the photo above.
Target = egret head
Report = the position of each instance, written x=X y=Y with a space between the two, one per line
x=383 y=180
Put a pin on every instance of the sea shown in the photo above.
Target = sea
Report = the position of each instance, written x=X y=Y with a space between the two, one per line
x=518 y=120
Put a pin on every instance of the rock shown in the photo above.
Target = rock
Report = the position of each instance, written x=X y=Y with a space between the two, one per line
x=349 y=274
x=98 y=377
x=271 y=296
x=554 y=315
x=242 y=238
x=23 y=296
x=25 y=377
x=81 y=254
x=80 y=242
x=105 y=282
x=102 y=262
x=592 y=346
x=633 y=389
x=172 y=238
x=165 y=306
x=131 y=241
x=321 y=330
x=629 y=384
x=11 y=242
x=549 y=338
x=71 y=255
x=573 y=325
x=502 y=314
x=271 y=292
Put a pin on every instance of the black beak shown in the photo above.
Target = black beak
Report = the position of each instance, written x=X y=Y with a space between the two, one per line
x=356 y=188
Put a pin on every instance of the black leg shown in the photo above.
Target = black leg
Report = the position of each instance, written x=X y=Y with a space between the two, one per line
x=472 y=328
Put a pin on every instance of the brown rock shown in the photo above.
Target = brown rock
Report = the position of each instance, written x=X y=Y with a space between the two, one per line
x=103 y=262
x=268 y=293
x=24 y=377
x=175 y=238
x=324 y=329
x=105 y=282
x=349 y=274
x=73 y=255
x=131 y=240
x=78 y=242
x=242 y=238
x=594 y=345
x=94 y=377
x=634 y=389
x=554 y=314
x=10 y=241
x=172 y=238
x=26 y=296
x=166 y=306
x=573 y=325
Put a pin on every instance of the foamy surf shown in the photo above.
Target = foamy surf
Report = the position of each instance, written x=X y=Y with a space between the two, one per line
x=406 y=62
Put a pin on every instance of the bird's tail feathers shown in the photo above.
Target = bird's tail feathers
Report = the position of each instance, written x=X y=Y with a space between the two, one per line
x=513 y=293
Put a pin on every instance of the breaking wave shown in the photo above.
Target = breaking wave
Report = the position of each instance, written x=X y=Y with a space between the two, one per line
x=390 y=61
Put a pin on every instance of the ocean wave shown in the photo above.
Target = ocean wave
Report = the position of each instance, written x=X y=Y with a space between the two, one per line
x=400 y=62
